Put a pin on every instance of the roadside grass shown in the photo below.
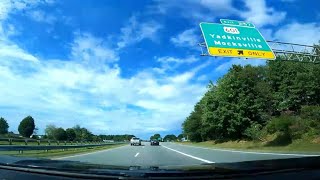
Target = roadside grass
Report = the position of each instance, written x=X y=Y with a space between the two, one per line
x=296 y=146
x=58 y=152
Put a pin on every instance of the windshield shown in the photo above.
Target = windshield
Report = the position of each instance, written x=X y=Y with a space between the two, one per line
x=154 y=83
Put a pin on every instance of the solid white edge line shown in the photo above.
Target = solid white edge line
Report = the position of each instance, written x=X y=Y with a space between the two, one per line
x=65 y=157
x=194 y=157
x=137 y=155
x=250 y=152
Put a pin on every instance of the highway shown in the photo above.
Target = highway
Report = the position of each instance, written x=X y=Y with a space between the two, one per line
x=170 y=154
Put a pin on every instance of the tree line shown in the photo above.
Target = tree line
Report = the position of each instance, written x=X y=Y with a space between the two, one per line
x=28 y=129
x=169 y=137
x=282 y=97
x=78 y=133
x=124 y=137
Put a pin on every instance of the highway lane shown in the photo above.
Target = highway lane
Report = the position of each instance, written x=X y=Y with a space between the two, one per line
x=144 y=155
x=170 y=154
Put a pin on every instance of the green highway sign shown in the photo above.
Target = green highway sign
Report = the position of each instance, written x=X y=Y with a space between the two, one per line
x=236 y=23
x=235 y=41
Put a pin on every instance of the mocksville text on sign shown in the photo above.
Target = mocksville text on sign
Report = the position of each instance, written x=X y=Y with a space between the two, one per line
x=235 y=41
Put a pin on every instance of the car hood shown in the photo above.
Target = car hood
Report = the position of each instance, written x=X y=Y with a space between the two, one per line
x=212 y=170
x=301 y=162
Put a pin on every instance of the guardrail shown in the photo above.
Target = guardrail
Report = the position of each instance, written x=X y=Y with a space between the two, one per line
x=16 y=141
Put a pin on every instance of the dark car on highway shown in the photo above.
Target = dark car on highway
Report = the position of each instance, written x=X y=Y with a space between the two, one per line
x=154 y=143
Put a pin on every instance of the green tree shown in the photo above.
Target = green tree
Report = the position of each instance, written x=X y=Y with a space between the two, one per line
x=49 y=131
x=211 y=126
x=294 y=84
x=59 y=134
x=180 y=136
x=86 y=134
x=71 y=135
x=77 y=130
x=192 y=124
x=26 y=126
x=170 y=137
x=96 y=138
x=247 y=98
x=3 y=126
x=82 y=134
x=155 y=136
x=244 y=98
x=125 y=137
x=255 y=132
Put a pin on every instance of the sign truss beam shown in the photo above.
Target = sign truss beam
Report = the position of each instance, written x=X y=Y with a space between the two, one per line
x=286 y=51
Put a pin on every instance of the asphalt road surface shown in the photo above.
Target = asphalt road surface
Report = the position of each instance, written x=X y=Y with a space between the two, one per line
x=170 y=154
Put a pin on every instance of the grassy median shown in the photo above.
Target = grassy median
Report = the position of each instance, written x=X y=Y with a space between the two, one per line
x=59 y=152
x=298 y=146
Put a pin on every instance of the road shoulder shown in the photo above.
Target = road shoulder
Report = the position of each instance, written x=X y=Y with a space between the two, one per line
x=255 y=151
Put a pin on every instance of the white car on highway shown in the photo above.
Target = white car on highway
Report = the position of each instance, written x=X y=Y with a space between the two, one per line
x=135 y=141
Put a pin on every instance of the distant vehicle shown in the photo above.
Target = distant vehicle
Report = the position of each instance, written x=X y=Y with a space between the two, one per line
x=135 y=141
x=154 y=143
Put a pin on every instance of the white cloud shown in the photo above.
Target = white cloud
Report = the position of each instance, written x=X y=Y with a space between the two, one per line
x=70 y=92
x=156 y=129
x=50 y=1
x=202 y=78
x=183 y=78
x=7 y=30
x=41 y=16
x=92 y=49
x=221 y=6
x=195 y=10
x=5 y=7
x=13 y=51
x=10 y=6
x=9 y=49
x=169 y=59
x=267 y=33
x=307 y=33
x=168 y=63
x=259 y=14
x=11 y=30
x=188 y=38
x=136 y=31
x=208 y=10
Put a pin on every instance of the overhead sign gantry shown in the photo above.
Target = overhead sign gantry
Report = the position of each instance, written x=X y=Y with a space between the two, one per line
x=235 y=39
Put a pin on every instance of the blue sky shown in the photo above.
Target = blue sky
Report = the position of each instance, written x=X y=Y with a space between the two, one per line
x=121 y=66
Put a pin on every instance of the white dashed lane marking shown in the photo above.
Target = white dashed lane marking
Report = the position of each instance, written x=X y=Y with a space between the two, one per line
x=185 y=154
